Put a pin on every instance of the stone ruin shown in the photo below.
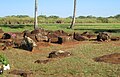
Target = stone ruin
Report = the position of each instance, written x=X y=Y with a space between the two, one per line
x=28 y=39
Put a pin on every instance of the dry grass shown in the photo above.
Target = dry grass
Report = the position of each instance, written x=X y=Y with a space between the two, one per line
x=79 y=64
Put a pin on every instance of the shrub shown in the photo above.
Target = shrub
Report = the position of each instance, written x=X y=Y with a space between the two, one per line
x=3 y=60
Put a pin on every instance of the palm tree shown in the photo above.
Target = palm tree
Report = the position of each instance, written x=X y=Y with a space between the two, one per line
x=36 y=12
x=74 y=14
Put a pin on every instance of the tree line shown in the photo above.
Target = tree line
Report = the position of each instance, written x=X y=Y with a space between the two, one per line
x=25 y=19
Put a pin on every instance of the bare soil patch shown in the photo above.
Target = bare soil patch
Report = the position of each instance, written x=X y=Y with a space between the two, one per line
x=21 y=73
x=111 y=58
x=42 y=61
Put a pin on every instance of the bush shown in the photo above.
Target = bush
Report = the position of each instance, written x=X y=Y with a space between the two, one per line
x=4 y=60
x=103 y=20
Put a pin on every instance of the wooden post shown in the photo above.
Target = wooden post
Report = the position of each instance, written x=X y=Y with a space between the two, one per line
x=74 y=15
x=36 y=13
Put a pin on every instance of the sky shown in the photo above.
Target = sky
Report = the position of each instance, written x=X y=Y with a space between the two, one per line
x=62 y=8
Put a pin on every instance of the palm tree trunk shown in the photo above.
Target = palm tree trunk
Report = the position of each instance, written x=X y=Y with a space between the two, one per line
x=35 y=17
x=74 y=15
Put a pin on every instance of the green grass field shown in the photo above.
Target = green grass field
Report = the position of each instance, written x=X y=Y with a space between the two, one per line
x=114 y=28
x=80 y=64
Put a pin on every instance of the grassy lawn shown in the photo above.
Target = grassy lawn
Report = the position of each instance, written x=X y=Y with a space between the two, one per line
x=79 y=64
x=81 y=27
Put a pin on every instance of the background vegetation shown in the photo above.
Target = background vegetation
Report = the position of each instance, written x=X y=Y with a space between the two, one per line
x=24 y=19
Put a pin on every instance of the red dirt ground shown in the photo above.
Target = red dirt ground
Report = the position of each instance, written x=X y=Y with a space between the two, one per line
x=112 y=58
x=42 y=45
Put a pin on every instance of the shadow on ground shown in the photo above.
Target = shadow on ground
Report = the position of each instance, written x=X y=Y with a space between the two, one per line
x=102 y=30
x=15 y=26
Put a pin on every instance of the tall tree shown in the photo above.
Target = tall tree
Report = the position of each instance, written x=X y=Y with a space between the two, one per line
x=74 y=15
x=36 y=12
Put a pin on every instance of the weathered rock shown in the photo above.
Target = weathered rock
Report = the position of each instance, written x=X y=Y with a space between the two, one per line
x=27 y=44
x=40 y=30
x=35 y=31
x=39 y=37
x=26 y=31
x=19 y=35
x=89 y=35
x=79 y=37
x=17 y=42
x=42 y=61
x=60 y=33
x=103 y=36
x=10 y=35
x=115 y=38
x=6 y=43
x=59 y=54
x=109 y=58
x=6 y=36
x=21 y=73
x=66 y=39
x=59 y=37
x=32 y=36
x=52 y=38
x=9 y=43
x=59 y=21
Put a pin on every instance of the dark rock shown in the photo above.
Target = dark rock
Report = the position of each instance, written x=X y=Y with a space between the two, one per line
x=52 y=38
x=109 y=58
x=79 y=37
x=27 y=44
x=103 y=36
x=42 y=61
x=39 y=37
x=35 y=31
x=115 y=38
x=6 y=36
x=59 y=54
x=60 y=33
x=66 y=39
x=59 y=21
x=40 y=30
x=26 y=33
x=89 y=35
x=9 y=43
x=21 y=73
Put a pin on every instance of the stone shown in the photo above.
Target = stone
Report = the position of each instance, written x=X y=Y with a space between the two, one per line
x=39 y=37
x=27 y=44
x=60 y=53
x=6 y=36
x=79 y=37
x=103 y=36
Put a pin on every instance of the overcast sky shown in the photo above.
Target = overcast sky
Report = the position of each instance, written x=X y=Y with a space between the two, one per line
x=62 y=8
